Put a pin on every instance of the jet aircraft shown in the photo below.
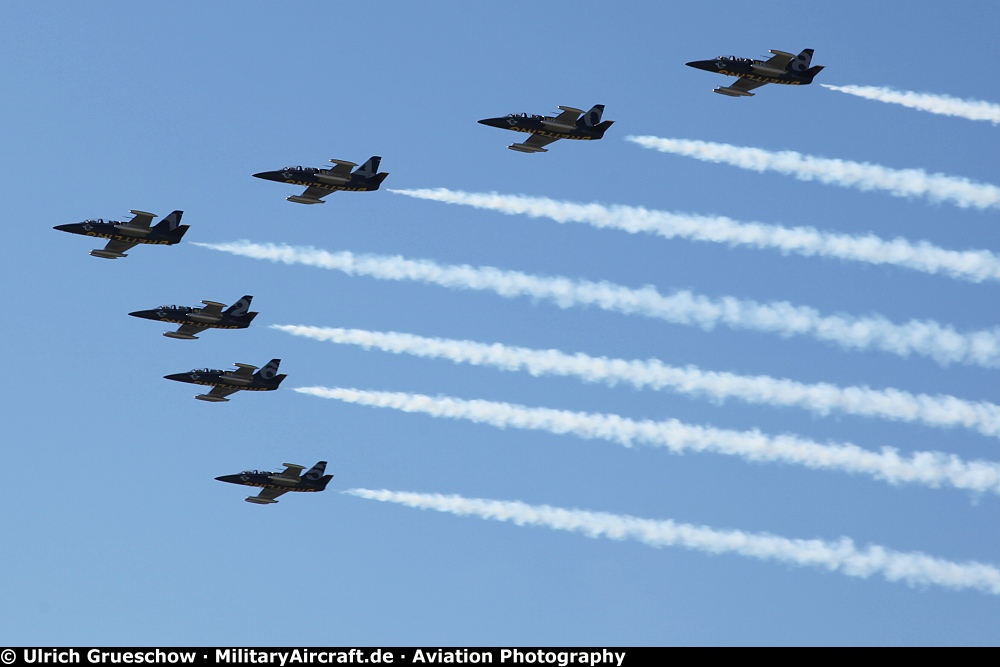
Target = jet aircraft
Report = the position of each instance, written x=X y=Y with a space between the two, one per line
x=279 y=483
x=194 y=320
x=126 y=235
x=782 y=67
x=321 y=182
x=570 y=124
x=224 y=383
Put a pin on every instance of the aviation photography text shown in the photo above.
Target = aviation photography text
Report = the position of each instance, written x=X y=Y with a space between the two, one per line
x=313 y=656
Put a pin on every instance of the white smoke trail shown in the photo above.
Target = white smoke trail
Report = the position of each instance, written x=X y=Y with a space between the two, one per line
x=861 y=175
x=913 y=568
x=932 y=469
x=944 y=105
x=971 y=265
x=822 y=398
x=925 y=338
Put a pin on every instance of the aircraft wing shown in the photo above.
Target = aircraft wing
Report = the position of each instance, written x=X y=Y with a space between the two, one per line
x=243 y=371
x=312 y=192
x=741 y=88
x=568 y=116
x=119 y=247
x=190 y=329
x=141 y=219
x=291 y=471
x=219 y=393
x=779 y=60
x=342 y=169
x=266 y=496
x=533 y=144
x=213 y=308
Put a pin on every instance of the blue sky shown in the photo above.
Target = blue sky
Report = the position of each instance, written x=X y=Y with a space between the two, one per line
x=117 y=532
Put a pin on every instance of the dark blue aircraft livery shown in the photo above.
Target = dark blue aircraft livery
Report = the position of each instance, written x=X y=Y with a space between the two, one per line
x=279 y=483
x=126 y=235
x=783 y=67
x=194 y=320
x=570 y=124
x=224 y=383
x=321 y=182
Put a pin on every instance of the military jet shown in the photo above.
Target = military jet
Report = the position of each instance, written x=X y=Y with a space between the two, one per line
x=194 y=320
x=546 y=129
x=321 y=182
x=279 y=483
x=224 y=383
x=126 y=235
x=782 y=67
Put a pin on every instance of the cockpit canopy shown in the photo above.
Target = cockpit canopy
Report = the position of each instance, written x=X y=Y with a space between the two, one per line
x=173 y=307
x=99 y=221
x=301 y=168
x=524 y=115
x=205 y=371
x=256 y=472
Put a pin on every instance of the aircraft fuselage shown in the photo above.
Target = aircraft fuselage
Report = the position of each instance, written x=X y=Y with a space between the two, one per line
x=110 y=230
x=183 y=316
x=535 y=125
x=220 y=379
x=751 y=69
x=308 y=178
x=263 y=481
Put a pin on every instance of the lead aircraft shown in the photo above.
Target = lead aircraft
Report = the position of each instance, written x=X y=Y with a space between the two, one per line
x=279 y=483
x=783 y=67
x=570 y=124
x=224 y=383
x=126 y=235
x=194 y=320
x=321 y=182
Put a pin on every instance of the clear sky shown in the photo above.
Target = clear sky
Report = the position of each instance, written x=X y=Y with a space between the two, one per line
x=117 y=533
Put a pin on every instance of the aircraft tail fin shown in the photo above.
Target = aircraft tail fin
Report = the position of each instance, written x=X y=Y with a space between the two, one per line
x=269 y=372
x=316 y=472
x=370 y=168
x=801 y=62
x=592 y=118
x=171 y=222
x=240 y=308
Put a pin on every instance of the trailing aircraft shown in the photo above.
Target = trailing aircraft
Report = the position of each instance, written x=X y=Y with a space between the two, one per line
x=321 y=182
x=279 y=483
x=224 y=383
x=570 y=124
x=783 y=67
x=126 y=235
x=194 y=320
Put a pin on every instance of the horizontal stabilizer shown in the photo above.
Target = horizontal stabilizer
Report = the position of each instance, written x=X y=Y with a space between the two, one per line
x=211 y=399
x=732 y=93
x=259 y=501
x=179 y=336
x=522 y=148
x=107 y=254
x=304 y=200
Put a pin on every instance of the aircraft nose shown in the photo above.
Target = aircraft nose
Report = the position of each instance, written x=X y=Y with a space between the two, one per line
x=64 y=228
x=707 y=65
x=492 y=122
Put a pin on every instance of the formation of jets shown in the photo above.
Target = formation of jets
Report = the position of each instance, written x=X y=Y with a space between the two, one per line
x=571 y=123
